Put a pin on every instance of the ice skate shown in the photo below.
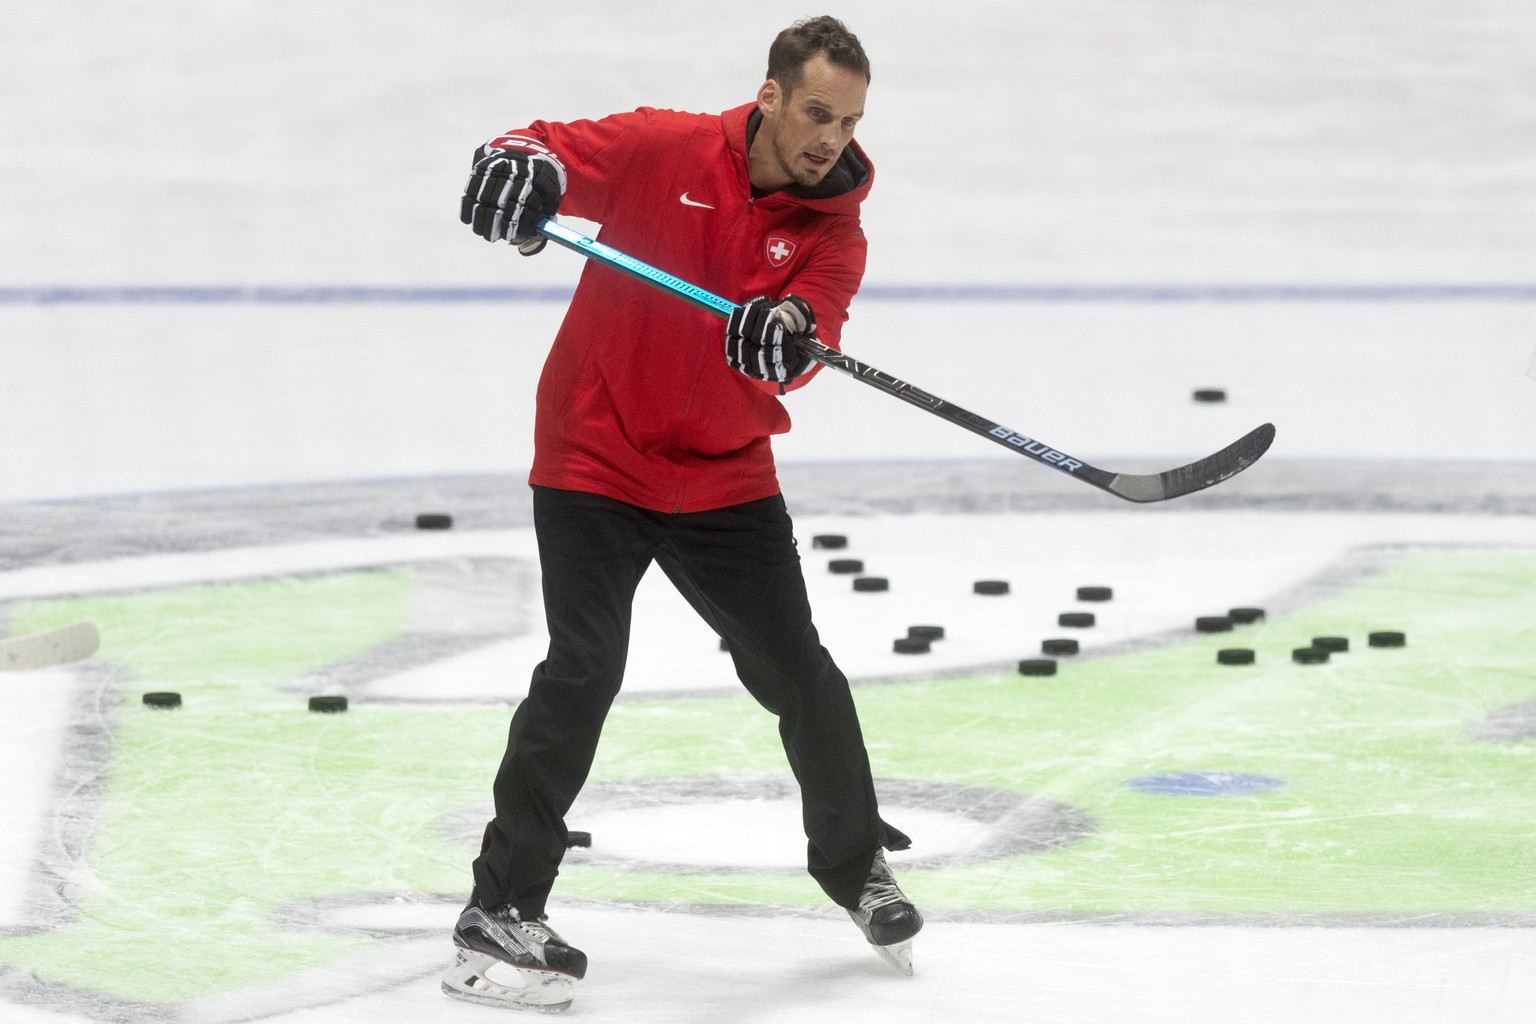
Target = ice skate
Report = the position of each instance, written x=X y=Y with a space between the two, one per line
x=503 y=960
x=886 y=917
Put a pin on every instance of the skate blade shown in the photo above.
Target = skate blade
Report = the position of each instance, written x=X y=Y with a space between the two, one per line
x=898 y=955
x=477 y=978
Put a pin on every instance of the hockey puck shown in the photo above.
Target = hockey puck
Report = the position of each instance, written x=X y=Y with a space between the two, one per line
x=926 y=632
x=327 y=704
x=574 y=839
x=162 y=700
x=845 y=566
x=1213 y=624
x=1210 y=395
x=1094 y=593
x=1332 y=644
x=1058 y=646
x=1037 y=667
x=1235 y=656
x=1076 y=620
x=829 y=541
x=990 y=587
x=871 y=584
x=1309 y=655
x=434 y=521
x=1387 y=638
x=911 y=645
x=1246 y=616
x=725 y=645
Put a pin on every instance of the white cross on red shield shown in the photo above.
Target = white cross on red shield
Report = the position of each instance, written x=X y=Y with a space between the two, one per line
x=779 y=250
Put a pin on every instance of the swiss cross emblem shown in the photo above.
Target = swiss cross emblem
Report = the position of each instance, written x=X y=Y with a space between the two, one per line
x=779 y=250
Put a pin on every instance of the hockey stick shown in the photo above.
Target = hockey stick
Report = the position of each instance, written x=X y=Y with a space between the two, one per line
x=44 y=650
x=1139 y=487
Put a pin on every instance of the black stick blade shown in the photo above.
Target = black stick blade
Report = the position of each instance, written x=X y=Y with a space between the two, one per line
x=1196 y=476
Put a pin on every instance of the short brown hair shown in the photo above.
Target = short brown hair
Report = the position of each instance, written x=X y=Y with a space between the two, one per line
x=824 y=35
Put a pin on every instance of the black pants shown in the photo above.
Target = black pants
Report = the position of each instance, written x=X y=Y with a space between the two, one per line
x=739 y=569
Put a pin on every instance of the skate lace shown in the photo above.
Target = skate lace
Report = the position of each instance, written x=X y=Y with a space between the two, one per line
x=539 y=928
x=880 y=889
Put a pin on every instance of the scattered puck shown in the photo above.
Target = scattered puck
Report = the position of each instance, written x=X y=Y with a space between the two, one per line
x=162 y=700
x=911 y=645
x=829 y=540
x=1309 y=655
x=574 y=839
x=328 y=705
x=1210 y=395
x=1387 y=638
x=926 y=632
x=869 y=584
x=1235 y=656
x=1078 y=620
x=1332 y=644
x=434 y=521
x=1037 y=667
x=1213 y=624
x=1058 y=646
x=1246 y=616
x=725 y=645
x=990 y=587
x=845 y=566
x=1094 y=593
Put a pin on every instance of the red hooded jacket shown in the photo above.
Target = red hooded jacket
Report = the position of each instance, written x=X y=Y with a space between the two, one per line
x=636 y=401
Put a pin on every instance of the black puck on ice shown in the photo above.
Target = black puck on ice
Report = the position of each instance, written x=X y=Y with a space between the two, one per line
x=1235 y=656
x=992 y=587
x=327 y=704
x=911 y=645
x=1059 y=646
x=1076 y=620
x=1387 y=638
x=871 y=584
x=829 y=540
x=1213 y=624
x=1309 y=655
x=1037 y=667
x=1246 y=616
x=434 y=521
x=1332 y=644
x=725 y=645
x=845 y=566
x=926 y=632
x=1094 y=593
x=574 y=839
x=1210 y=395
x=162 y=700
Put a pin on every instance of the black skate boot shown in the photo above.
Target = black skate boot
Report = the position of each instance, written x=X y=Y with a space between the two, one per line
x=886 y=917
x=503 y=960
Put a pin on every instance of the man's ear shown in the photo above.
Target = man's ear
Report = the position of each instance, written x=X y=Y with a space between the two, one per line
x=769 y=96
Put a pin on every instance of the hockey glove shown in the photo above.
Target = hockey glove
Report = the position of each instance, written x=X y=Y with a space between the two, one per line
x=509 y=192
x=761 y=338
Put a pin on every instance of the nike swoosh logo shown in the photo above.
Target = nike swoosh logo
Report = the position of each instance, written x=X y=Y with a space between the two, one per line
x=689 y=202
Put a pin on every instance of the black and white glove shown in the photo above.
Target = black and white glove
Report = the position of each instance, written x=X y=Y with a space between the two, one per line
x=762 y=338
x=509 y=192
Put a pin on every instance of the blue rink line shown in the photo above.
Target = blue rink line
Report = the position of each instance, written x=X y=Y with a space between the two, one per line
x=362 y=295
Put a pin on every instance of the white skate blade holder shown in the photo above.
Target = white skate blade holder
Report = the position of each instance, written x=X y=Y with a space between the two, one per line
x=479 y=978
x=897 y=954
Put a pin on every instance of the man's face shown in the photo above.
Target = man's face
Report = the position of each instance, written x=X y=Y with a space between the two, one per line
x=804 y=133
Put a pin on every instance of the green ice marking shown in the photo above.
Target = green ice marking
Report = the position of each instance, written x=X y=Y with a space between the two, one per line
x=214 y=818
